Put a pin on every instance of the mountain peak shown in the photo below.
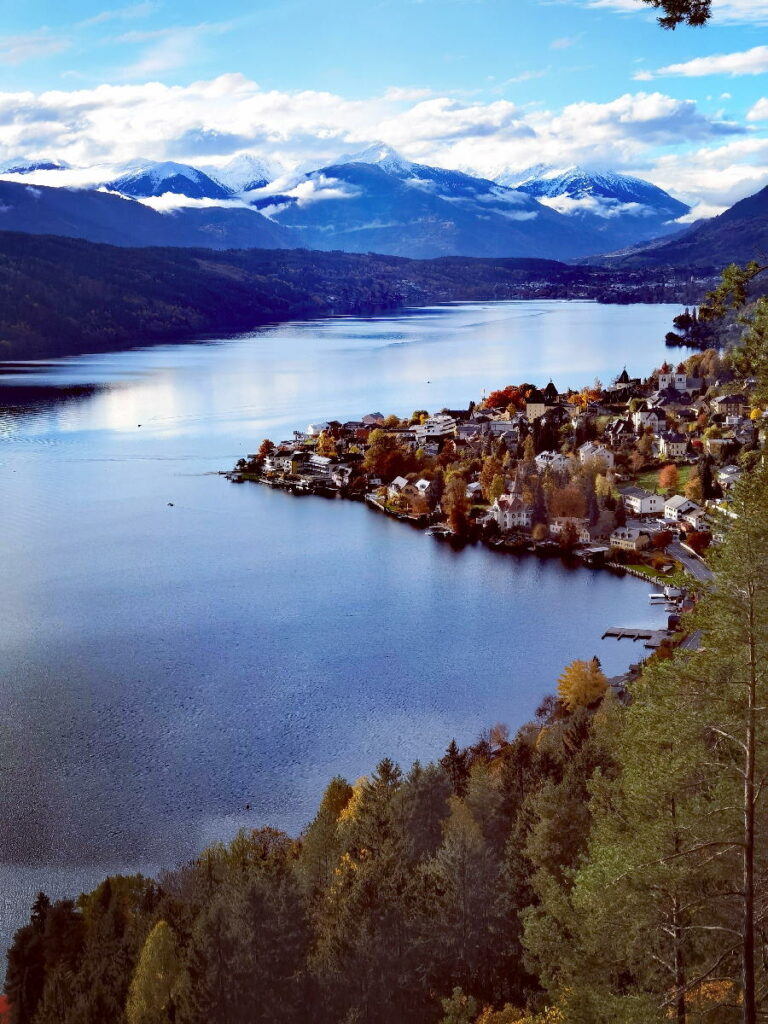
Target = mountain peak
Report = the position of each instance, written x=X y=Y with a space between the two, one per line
x=382 y=155
x=245 y=172
x=156 y=178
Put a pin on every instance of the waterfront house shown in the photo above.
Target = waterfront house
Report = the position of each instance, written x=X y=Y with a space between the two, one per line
x=630 y=538
x=640 y=502
x=341 y=475
x=510 y=512
x=560 y=525
x=397 y=486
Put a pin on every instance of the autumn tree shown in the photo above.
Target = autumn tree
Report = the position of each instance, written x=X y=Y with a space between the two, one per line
x=455 y=504
x=492 y=468
x=568 y=501
x=151 y=997
x=581 y=683
x=326 y=445
x=669 y=478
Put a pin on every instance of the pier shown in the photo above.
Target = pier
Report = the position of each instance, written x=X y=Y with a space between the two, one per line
x=652 y=637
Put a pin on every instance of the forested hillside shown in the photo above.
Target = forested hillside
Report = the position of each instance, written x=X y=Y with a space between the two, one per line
x=61 y=296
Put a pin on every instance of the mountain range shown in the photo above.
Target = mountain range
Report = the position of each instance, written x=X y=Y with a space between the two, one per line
x=373 y=201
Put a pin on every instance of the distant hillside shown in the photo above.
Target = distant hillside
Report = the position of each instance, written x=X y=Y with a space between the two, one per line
x=60 y=296
x=736 y=236
x=101 y=217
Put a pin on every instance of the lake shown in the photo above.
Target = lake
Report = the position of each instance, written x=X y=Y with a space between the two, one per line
x=183 y=656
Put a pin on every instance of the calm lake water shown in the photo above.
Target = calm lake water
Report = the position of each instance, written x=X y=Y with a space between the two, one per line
x=166 y=665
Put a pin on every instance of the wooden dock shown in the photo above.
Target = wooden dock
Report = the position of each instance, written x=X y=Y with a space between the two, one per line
x=652 y=637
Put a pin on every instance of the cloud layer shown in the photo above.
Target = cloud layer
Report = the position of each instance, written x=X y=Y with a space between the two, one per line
x=97 y=130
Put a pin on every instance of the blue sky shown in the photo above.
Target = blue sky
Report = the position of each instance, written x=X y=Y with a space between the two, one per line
x=487 y=85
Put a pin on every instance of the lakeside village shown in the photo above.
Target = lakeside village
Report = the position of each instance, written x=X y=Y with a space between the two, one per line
x=633 y=476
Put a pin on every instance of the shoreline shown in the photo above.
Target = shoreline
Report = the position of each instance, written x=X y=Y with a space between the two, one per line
x=432 y=526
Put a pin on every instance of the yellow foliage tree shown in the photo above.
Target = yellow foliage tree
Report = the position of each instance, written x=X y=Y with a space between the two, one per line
x=150 y=997
x=581 y=683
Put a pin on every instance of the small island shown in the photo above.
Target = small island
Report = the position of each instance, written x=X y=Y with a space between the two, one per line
x=631 y=475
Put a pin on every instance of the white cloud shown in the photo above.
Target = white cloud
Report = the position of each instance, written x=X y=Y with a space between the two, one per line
x=18 y=49
x=98 y=130
x=759 y=112
x=170 y=48
x=398 y=94
x=564 y=43
x=141 y=10
x=746 y=62
x=598 y=205
x=525 y=76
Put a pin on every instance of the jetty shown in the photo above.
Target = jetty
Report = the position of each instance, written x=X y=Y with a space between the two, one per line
x=652 y=638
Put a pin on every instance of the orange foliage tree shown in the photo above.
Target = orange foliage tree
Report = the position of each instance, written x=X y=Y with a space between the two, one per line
x=581 y=683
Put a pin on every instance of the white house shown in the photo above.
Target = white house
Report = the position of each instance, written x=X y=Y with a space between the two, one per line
x=642 y=503
x=397 y=486
x=315 y=429
x=552 y=460
x=653 y=418
x=511 y=512
x=590 y=451
x=677 y=507
x=629 y=538
x=435 y=426
x=560 y=524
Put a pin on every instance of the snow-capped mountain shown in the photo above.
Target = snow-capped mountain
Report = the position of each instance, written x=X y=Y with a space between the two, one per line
x=156 y=179
x=623 y=209
x=378 y=201
x=23 y=166
x=245 y=172
x=381 y=155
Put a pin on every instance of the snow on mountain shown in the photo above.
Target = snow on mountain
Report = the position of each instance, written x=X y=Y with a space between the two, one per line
x=23 y=166
x=245 y=172
x=156 y=179
x=621 y=191
x=623 y=209
x=379 y=202
x=380 y=155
